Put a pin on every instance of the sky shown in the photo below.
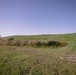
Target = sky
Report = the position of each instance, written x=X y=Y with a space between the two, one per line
x=34 y=17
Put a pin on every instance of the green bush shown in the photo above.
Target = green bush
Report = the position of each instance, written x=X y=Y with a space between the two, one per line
x=38 y=44
x=55 y=43
x=10 y=39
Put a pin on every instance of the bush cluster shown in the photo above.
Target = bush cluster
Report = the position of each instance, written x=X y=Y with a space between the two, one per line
x=13 y=42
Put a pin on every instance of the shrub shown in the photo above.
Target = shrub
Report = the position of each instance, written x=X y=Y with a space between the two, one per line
x=3 y=42
x=10 y=43
x=25 y=43
x=51 y=43
x=55 y=43
x=32 y=43
x=44 y=44
x=63 y=44
x=38 y=44
x=17 y=43
x=10 y=39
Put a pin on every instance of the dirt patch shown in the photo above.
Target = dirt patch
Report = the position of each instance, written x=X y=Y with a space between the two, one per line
x=68 y=57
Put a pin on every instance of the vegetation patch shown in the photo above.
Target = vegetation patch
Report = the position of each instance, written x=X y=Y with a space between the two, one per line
x=14 y=42
x=34 y=56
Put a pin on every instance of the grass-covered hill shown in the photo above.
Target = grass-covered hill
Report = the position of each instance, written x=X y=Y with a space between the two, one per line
x=62 y=37
x=41 y=60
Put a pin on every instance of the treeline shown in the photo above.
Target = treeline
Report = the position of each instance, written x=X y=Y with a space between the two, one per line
x=32 y=43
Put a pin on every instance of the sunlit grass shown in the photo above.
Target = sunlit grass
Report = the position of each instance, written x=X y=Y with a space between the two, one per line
x=24 y=60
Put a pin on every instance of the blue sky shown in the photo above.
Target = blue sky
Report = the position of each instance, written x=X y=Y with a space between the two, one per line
x=32 y=17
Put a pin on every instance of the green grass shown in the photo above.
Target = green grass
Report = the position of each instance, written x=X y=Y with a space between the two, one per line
x=62 y=37
x=15 y=60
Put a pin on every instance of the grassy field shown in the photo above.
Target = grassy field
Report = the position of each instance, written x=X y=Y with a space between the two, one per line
x=62 y=37
x=24 y=60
